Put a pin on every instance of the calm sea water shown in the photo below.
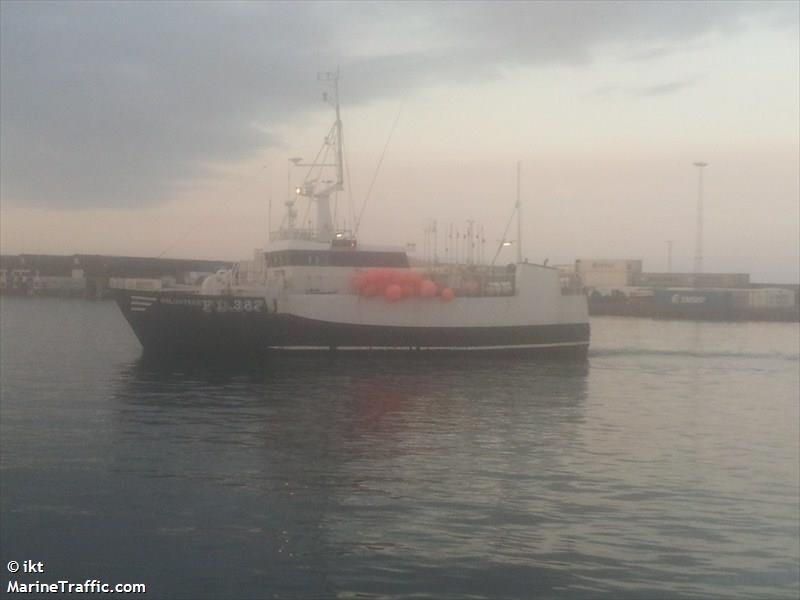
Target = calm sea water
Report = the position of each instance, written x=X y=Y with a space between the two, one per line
x=667 y=466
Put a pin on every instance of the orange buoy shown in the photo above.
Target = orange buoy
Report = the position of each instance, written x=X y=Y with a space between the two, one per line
x=427 y=289
x=386 y=276
x=447 y=295
x=410 y=278
x=393 y=292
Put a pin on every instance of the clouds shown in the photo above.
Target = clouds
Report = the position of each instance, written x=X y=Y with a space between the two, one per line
x=644 y=91
x=112 y=104
x=118 y=104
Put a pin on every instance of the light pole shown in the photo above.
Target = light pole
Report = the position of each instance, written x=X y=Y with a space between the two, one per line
x=698 y=249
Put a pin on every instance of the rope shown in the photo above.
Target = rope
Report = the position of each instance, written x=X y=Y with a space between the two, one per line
x=204 y=221
x=378 y=168
x=503 y=239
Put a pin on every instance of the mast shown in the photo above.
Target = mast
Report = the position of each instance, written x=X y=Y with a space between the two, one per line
x=314 y=187
x=339 y=138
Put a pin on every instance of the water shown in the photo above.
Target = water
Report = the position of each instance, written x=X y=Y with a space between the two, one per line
x=667 y=466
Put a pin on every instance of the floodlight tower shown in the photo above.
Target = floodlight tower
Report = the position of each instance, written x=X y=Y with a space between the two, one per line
x=698 y=250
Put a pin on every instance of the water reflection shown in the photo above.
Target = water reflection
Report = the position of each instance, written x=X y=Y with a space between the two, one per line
x=354 y=475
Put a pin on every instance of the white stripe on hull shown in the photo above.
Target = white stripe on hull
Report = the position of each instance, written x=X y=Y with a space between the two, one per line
x=422 y=348
x=141 y=303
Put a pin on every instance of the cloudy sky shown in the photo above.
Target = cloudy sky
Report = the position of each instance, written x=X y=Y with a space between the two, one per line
x=144 y=128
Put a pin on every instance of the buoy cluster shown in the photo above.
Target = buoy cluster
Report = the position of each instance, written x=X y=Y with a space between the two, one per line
x=395 y=285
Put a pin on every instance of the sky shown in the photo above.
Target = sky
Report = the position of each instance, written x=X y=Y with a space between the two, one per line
x=154 y=128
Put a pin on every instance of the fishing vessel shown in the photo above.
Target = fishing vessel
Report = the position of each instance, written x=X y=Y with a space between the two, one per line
x=316 y=288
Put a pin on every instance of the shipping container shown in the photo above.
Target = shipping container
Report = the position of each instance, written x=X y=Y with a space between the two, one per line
x=701 y=280
x=597 y=273
x=740 y=298
x=693 y=304
x=771 y=297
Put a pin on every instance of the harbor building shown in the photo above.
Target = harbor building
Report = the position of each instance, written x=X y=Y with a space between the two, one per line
x=621 y=287
x=611 y=274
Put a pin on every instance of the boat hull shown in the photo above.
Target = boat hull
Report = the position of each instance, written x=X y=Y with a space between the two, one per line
x=183 y=324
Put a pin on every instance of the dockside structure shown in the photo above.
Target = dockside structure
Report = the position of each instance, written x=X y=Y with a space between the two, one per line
x=90 y=275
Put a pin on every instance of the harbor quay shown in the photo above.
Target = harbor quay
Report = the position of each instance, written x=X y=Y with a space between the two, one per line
x=613 y=287
x=623 y=288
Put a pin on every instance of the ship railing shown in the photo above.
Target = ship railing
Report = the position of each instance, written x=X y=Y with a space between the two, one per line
x=485 y=285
